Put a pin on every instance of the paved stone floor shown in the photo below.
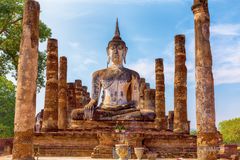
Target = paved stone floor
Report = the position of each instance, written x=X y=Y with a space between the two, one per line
x=75 y=158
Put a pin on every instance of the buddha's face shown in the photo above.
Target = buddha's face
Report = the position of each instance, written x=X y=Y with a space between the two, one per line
x=117 y=53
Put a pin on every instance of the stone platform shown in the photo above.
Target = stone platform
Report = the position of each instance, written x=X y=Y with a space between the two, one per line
x=97 y=139
x=77 y=158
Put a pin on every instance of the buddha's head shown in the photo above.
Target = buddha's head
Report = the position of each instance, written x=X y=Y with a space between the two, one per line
x=117 y=49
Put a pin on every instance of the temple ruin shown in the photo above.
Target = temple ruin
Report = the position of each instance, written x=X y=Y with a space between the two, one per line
x=127 y=101
x=129 y=111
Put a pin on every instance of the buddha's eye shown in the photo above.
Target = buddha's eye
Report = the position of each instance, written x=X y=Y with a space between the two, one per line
x=120 y=47
x=113 y=47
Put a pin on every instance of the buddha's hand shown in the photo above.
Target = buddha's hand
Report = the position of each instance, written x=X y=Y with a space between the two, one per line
x=91 y=105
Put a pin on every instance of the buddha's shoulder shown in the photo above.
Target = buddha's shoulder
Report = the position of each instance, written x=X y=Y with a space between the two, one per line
x=132 y=72
x=99 y=72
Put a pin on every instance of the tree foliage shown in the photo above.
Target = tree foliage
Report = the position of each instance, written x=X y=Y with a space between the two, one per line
x=230 y=129
x=7 y=103
x=193 y=132
x=11 y=14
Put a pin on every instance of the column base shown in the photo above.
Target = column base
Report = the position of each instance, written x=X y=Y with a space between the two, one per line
x=207 y=146
x=23 y=145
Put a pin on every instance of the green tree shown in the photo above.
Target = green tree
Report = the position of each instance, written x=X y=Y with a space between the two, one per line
x=7 y=103
x=193 y=132
x=230 y=129
x=11 y=13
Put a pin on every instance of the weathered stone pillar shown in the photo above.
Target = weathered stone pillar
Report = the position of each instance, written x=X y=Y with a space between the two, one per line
x=84 y=88
x=26 y=84
x=147 y=85
x=71 y=102
x=50 y=115
x=78 y=93
x=62 y=94
x=170 y=120
x=142 y=88
x=160 y=119
x=88 y=97
x=207 y=136
x=180 y=87
x=149 y=100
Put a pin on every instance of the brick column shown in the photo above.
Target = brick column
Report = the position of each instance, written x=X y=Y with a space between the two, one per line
x=78 y=93
x=142 y=88
x=180 y=87
x=170 y=120
x=84 y=95
x=149 y=100
x=88 y=97
x=147 y=85
x=160 y=119
x=207 y=136
x=71 y=101
x=50 y=115
x=62 y=94
x=26 y=84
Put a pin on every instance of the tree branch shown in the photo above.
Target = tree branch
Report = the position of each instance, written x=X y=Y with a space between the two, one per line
x=10 y=23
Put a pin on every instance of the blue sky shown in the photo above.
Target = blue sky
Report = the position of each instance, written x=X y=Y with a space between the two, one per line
x=84 y=28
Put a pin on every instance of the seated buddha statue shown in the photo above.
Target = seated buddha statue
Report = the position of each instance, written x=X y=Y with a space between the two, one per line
x=119 y=86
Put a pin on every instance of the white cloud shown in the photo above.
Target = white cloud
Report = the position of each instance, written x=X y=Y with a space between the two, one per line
x=146 y=69
x=225 y=47
x=89 y=61
x=227 y=74
x=60 y=8
x=109 y=2
x=74 y=44
x=226 y=53
x=142 y=39
x=225 y=30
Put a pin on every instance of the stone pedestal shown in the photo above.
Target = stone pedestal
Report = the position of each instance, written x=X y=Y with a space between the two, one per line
x=99 y=138
x=50 y=115
x=160 y=95
x=62 y=94
x=207 y=137
x=180 y=87
x=26 y=85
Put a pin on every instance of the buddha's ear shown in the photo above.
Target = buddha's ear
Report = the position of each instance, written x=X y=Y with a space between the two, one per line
x=125 y=55
x=108 y=61
x=107 y=50
x=108 y=57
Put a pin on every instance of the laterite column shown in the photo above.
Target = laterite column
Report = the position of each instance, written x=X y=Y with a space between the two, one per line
x=62 y=94
x=207 y=136
x=160 y=119
x=25 y=108
x=50 y=114
x=180 y=87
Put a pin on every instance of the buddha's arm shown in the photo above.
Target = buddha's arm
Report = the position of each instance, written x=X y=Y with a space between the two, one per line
x=135 y=89
x=96 y=88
